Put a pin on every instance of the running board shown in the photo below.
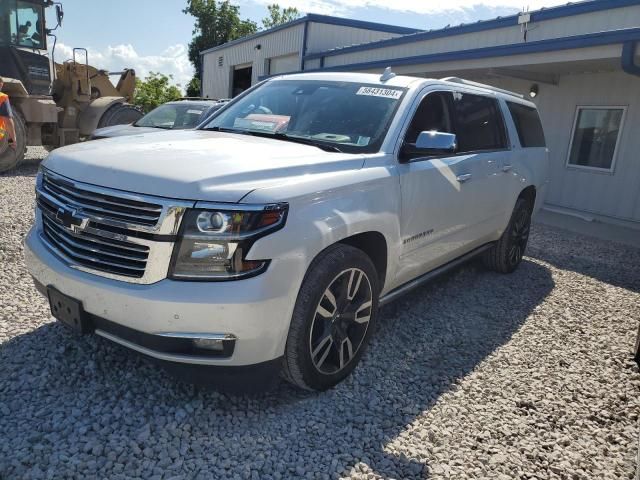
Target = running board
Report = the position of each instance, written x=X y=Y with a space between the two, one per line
x=401 y=290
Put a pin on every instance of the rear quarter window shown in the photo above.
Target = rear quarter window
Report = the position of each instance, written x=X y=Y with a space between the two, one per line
x=528 y=125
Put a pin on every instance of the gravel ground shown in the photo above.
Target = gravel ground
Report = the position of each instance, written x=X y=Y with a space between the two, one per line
x=475 y=376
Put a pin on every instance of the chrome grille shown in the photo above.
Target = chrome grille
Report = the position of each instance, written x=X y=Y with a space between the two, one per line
x=107 y=232
x=100 y=206
x=96 y=252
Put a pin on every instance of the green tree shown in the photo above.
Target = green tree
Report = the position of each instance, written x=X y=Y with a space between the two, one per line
x=217 y=22
x=193 y=87
x=155 y=90
x=278 y=15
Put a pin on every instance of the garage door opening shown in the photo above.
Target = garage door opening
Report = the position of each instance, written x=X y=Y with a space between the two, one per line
x=241 y=79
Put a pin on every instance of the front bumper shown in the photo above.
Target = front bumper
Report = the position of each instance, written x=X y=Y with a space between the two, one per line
x=256 y=311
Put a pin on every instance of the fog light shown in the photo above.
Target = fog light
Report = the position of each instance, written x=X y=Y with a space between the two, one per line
x=214 y=344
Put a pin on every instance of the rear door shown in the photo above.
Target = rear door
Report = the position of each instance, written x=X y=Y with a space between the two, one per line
x=483 y=140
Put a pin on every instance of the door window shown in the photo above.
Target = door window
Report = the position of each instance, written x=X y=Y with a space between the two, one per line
x=432 y=114
x=479 y=123
x=595 y=137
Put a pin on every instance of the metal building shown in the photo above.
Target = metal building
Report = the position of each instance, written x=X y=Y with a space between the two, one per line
x=579 y=62
x=230 y=68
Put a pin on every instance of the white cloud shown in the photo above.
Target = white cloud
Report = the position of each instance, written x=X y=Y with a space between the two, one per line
x=413 y=6
x=173 y=61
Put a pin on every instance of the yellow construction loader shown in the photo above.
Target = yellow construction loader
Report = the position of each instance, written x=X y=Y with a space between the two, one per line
x=55 y=106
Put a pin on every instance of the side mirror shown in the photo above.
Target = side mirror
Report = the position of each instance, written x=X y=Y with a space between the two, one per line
x=438 y=142
x=59 y=14
x=429 y=143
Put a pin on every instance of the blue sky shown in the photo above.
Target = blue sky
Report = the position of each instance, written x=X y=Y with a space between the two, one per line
x=151 y=35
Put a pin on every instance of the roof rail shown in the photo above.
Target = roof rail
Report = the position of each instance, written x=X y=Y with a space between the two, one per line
x=481 y=85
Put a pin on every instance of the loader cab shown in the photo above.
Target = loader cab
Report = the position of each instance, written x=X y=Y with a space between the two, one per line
x=22 y=24
x=23 y=46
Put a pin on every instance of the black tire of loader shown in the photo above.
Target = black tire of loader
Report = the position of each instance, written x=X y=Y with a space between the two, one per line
x=119 y=114
x=10 y=158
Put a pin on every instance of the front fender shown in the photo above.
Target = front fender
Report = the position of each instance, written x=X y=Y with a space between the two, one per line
x=368 y=201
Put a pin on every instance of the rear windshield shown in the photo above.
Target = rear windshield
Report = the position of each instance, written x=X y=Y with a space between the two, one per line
x=528 y=125
x=347 y=116
x=173 y=116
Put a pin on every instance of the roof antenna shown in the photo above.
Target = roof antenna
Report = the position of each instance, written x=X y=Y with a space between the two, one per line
x=387 y=75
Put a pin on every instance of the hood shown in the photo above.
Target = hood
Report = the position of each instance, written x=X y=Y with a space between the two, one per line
x=195 y=164
x=122 y=130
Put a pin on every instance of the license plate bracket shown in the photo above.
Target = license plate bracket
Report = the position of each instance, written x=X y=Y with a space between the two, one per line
x=68 y=311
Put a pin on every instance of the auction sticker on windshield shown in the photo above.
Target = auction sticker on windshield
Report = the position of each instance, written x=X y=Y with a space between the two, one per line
x=380 y=92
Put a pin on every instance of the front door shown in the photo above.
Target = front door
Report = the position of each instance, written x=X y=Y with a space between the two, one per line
x=448 y=201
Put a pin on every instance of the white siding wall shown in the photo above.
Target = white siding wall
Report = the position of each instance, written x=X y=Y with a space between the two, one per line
x=322 y=36
x=614 y=194
x=283 y=47
x=618 y=18
x=284 y=64
x=217 y=80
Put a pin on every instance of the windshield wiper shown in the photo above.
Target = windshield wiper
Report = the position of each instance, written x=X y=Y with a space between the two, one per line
x=222 y=129
x=327 y=147
x=279 y=136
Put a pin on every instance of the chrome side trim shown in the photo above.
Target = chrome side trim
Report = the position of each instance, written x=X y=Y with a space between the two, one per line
x=416 y=282
x=208 y=336
x=198 y=360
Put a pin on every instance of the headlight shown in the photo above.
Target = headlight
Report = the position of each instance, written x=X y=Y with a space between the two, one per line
x=214 y=242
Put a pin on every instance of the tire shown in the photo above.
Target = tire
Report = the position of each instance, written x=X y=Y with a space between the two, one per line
x=507 y=253
x=10 y=158
x=312 y=358
x=119 y=114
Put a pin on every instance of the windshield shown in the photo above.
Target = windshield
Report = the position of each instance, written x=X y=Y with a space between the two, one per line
x=21 y=23
x=173 y=116
x=347 y=116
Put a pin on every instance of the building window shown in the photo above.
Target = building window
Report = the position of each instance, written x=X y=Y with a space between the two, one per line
x=596 y=132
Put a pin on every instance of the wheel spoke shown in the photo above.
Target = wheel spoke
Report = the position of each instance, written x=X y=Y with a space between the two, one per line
x=324 y=346
x=328 y=294
x=354 y=284
x=362 y=315
x=346 y=342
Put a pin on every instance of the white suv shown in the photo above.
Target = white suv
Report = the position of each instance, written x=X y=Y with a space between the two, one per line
x=264 y=241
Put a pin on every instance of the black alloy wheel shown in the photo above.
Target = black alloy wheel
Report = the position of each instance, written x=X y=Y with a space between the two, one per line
x=341 y=321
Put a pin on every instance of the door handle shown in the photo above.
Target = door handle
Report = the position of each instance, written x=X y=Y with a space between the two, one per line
x=464 y=178
x=506 y=168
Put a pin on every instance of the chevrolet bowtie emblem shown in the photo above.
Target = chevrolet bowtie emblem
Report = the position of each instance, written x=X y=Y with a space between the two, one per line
x=71 y=220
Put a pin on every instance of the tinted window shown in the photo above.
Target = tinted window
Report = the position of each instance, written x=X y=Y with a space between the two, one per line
x=479 y=123
x=595 y=137
x=528 y=125
x=432 y=114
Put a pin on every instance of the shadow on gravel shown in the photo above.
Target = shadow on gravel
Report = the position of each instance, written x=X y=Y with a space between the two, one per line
x=609 y=262
x=27 y=168
x=85 y=405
